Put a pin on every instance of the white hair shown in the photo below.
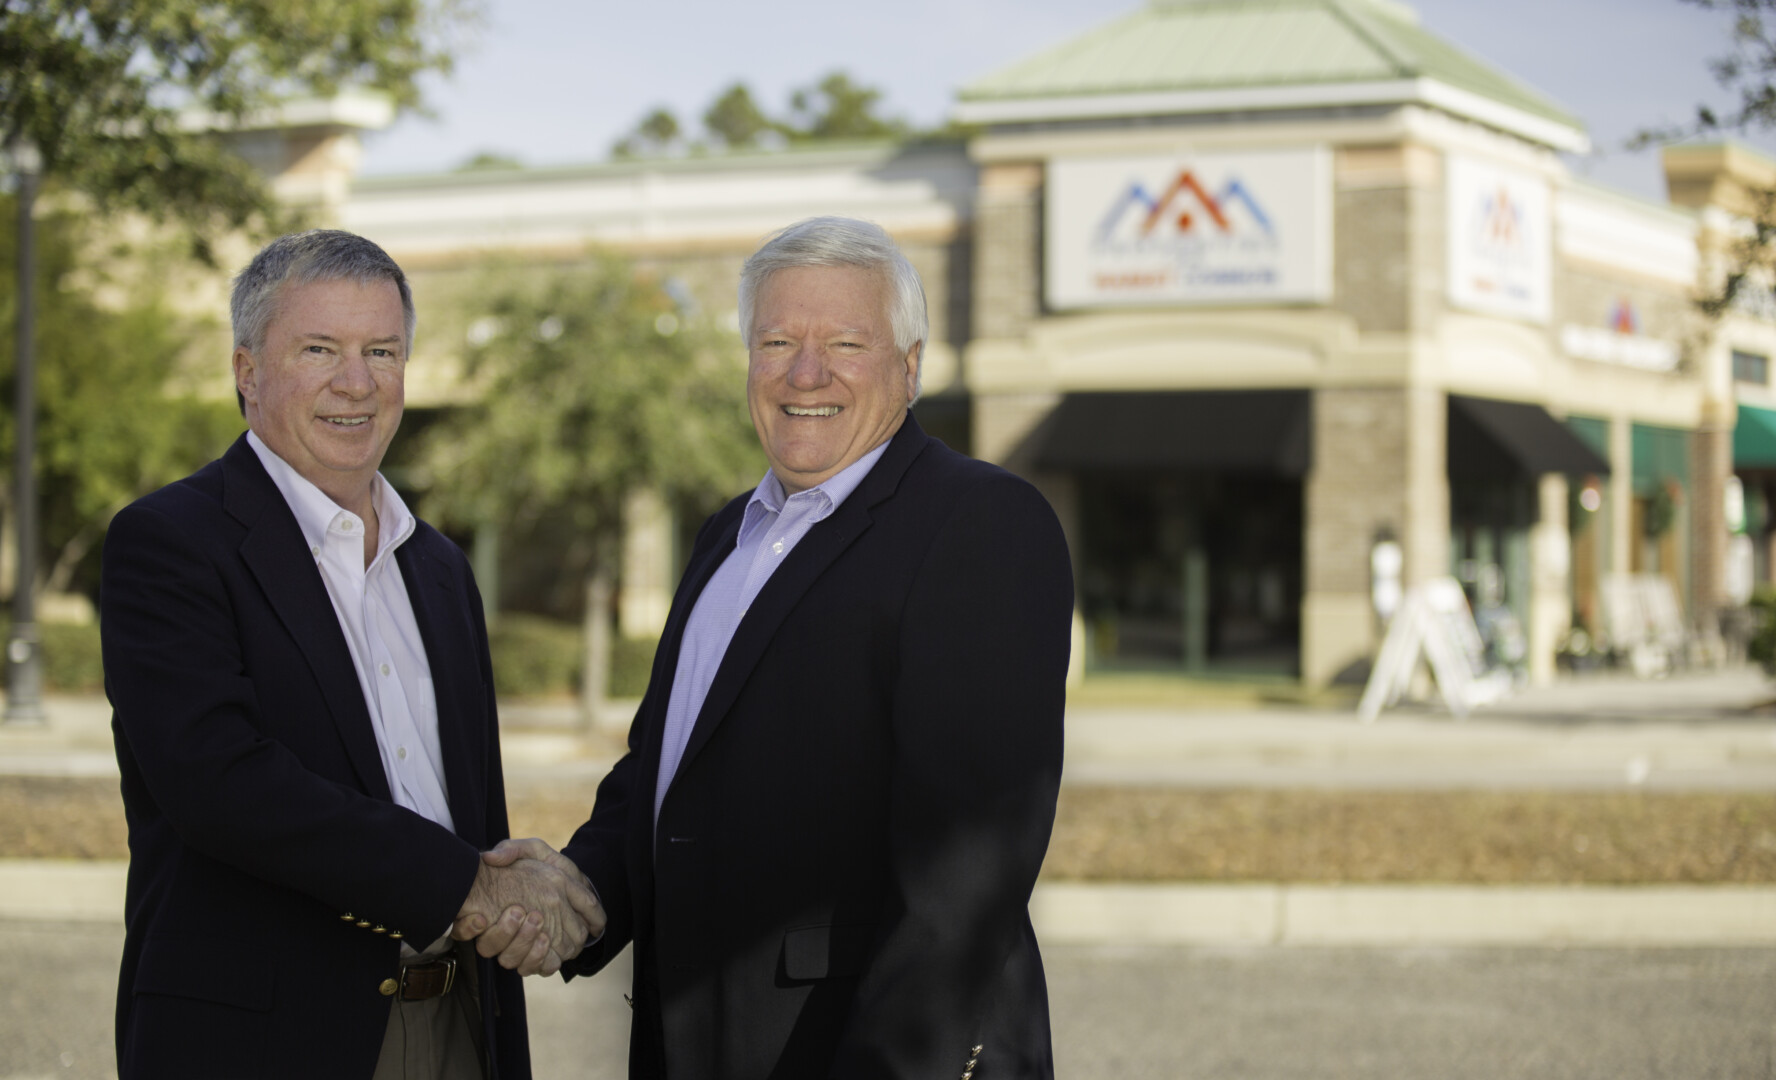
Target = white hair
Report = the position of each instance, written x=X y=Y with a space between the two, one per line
x=840 y=241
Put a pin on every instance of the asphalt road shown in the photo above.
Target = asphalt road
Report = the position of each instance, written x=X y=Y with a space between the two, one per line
x=1207 y=1014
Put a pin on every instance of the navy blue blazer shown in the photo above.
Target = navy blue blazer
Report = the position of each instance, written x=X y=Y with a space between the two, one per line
x=269 y=870
x=839 y=881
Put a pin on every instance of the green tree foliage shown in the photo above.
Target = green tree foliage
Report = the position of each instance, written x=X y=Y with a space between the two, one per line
x=837 y=108
x=1748 y=73
x=833 y=108
x=107 y=89
x=108 y=429
x=591 y=383
x=736 y=119
x=657 y=134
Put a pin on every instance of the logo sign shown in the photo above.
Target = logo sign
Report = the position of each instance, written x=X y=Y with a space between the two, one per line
x=1500 y=241
x=1620 y=341
x=1193 y=229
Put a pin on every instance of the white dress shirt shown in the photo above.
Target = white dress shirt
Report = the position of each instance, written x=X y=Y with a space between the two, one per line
x=377 y=617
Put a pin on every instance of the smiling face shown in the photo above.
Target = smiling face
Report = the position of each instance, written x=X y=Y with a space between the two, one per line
x=825 y=383
x=324 y=391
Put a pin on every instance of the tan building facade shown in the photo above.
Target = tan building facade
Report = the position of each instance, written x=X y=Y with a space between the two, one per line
x=1250 y=321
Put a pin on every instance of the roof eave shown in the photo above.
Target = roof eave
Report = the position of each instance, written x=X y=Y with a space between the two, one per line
x=1421 y=91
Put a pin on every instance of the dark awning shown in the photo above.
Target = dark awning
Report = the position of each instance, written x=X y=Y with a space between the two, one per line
x=1754 y=439
x=1253 y=431
x=1506 y=440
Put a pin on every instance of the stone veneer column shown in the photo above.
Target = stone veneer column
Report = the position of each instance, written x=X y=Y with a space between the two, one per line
x=1550 y=578
x=1621 y=495
x=1711 y=462
x=1379 y=466
x=1008 y=250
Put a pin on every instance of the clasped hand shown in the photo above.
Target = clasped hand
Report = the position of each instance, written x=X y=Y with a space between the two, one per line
x=530 y=908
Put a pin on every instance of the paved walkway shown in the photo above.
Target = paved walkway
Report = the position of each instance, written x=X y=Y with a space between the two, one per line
x=1706 y=731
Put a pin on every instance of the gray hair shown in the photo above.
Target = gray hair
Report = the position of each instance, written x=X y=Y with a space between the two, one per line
x=302 y=258
x=839 y=241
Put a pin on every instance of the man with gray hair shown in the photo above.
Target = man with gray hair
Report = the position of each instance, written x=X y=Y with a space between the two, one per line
x=841 y=782
x=305 y=726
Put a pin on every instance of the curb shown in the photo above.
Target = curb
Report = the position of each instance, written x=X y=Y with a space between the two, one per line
x=1401 y=915
x=1131 y=914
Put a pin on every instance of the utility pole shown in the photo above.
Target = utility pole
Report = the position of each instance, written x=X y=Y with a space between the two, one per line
x=24 y=651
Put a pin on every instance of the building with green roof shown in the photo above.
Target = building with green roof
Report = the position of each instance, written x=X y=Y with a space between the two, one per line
x=1289 y=306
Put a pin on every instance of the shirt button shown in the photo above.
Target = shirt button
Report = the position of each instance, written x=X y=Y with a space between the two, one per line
x=315 y=551
x=401 y=752
x=385 y=669
x=777 y=548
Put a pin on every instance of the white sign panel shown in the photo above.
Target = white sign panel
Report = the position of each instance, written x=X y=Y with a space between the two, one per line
x=1500 y=241
x=1190 y=229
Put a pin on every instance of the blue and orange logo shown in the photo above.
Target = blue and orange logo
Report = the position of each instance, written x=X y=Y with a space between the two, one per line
x=1499 y=226
x=1186 y=209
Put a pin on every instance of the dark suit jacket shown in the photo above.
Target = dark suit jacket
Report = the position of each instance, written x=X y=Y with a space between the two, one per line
x=259 y=813
x=839 y=881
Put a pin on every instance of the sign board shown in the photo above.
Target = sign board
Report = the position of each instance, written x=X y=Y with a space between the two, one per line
x=1620 y=341
x=1250 y=227
x=1433 y=625
x=1500 y=240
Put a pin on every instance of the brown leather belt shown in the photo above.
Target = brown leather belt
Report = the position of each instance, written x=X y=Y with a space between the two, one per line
x=424 y=981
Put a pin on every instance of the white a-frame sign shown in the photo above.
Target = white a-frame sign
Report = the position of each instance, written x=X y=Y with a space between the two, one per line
x=1433 y=623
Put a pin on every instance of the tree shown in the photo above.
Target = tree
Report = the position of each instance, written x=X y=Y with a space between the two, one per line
x=838 y=108
x=1748 y=73
x=106 y=89
x=834 y=108
x=657 y=133
x=736 y=119
x=109 y=429
x=592 y=383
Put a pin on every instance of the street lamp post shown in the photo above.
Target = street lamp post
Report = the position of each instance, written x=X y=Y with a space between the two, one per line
x=24 y=650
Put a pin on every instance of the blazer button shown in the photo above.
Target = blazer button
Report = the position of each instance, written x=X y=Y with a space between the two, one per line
x=348 y=917
x=388 y=987
x=395 y=935
x=364 y=924
x=379 y=929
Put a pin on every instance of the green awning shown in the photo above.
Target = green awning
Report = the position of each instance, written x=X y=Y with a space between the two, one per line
x=1754 y=438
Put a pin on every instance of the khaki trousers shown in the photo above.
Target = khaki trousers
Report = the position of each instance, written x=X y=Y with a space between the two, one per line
x=438 y=1039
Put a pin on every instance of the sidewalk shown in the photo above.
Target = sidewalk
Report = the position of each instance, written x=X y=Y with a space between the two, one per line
x=1707 y=731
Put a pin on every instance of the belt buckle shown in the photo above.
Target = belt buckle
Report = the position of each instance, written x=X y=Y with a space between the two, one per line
x=449 y=964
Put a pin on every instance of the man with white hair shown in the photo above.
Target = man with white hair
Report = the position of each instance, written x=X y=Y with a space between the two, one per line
x=841 y=782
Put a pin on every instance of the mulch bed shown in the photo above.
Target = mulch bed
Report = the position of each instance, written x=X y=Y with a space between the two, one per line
x=1172 y=834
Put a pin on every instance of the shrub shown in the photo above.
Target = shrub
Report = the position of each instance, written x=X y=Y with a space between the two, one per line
x=632 y=659
x=1762 y=648
x=534 y=656
x=71 y=658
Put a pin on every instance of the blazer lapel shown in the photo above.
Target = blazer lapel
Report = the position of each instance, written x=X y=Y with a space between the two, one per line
x=280 y=561
x=697 y=575
x=815 y=552
x=450 y=656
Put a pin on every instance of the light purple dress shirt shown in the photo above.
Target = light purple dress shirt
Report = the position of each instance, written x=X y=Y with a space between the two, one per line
x=769 y=531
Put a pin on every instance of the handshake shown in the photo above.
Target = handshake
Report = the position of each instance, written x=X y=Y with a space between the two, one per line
x=530 y=908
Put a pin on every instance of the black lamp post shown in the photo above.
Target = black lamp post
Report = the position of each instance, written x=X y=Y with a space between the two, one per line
x=24 y=649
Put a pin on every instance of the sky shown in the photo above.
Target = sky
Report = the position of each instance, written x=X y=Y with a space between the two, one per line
x=552 y=82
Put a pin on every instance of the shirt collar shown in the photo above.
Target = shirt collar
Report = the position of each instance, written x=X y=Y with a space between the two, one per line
x=769 y=497
x=316 y=512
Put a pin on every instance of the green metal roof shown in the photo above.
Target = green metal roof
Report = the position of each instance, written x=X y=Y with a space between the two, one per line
x=1195 y=45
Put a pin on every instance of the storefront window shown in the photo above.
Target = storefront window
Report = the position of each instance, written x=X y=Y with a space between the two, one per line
x=1749 y=367
x=1192 y=571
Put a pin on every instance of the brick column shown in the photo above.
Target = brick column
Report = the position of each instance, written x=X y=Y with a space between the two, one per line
x=1711 y=462
x=1379 y=466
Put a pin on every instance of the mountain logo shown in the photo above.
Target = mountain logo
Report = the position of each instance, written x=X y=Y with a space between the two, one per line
x=1185 y=209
